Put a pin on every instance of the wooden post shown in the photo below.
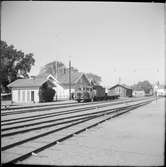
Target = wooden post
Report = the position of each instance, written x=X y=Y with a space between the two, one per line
x=69 y=80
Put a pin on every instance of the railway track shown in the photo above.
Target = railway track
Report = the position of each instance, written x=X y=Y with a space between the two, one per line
x=91 y=106
x=75 y=115
x=34 y=106
x=68 y=127
x=55 y=117
x=28 y=109
x=46 y=115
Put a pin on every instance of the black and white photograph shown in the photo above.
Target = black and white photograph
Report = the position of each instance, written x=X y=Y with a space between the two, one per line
x=83 y=83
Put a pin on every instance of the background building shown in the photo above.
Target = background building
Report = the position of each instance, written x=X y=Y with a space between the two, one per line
x=78 y=81
x=121 y=90
x=138 y=92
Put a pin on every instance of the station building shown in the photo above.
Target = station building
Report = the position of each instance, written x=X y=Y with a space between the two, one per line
x=121 y=90
x=27 y=90
x=78 y=81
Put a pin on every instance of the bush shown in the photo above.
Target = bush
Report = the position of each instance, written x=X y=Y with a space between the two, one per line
x=46 y=94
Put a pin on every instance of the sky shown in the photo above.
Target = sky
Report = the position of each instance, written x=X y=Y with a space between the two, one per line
x=119 y=41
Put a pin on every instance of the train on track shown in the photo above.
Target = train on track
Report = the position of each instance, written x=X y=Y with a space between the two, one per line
x=96 y=93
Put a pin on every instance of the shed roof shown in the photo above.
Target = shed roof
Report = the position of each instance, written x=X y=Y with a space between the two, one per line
x=124 y=86
x=36 y=82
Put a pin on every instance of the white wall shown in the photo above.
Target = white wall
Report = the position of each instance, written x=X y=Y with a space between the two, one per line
x=161 y=92
x=61 y=92
x=138 y=93
x=15 y=95
x=24 y=98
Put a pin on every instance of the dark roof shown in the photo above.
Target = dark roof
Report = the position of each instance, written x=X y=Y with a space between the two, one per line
x=64 y=79
x=37 y=82
x=124 y=86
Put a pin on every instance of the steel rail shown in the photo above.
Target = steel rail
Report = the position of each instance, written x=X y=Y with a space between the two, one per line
x=55 y=130
x=47 y=115
x=27 y=155
x=39 y=109
x=51 y=107
x=50 y=125
x=33 y=106
x=57 y=113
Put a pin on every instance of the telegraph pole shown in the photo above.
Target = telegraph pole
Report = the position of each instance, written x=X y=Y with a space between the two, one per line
x=69 y=79
x=56 y=70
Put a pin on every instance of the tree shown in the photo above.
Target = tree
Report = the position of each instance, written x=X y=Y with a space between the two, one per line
x=145 y=85
x=53 y=68
x=13 y=62
x=46 y=93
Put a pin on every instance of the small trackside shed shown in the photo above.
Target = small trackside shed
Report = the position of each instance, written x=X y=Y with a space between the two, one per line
x=121 y=90
x=27 y=90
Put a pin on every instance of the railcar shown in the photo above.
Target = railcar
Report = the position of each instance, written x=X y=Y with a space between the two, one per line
x=83 y=95
x=112 y=96
x=96 y=93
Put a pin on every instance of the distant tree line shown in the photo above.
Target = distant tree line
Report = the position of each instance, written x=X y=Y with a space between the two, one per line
x=13 y=63
x=143 y=85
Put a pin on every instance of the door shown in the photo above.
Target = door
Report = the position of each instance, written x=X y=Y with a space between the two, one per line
x=32 y=96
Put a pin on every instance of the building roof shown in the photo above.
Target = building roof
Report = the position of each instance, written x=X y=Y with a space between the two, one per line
x=64 y=79
x=36 y=82
x=124 y=86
